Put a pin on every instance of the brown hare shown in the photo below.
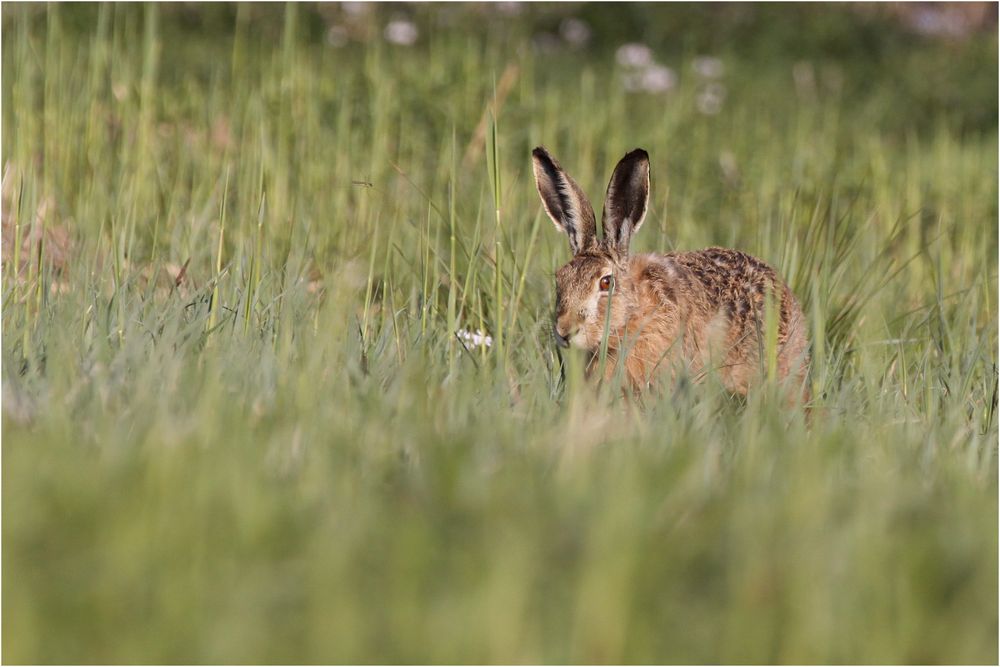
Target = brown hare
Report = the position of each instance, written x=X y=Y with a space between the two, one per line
x=701 y=310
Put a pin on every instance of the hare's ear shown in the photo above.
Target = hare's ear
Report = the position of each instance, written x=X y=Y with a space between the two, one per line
x=627 y=199
x=565 y=202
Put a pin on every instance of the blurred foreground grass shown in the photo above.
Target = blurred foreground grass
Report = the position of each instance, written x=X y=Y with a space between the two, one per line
x=239 y=427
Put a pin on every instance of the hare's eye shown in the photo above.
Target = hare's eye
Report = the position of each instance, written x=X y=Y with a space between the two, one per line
x=605 y=283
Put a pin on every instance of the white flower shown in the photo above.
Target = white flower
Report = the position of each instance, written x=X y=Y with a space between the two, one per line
x=336 y=36
x=708 y=67
x=642 y=72
x=401 y=32
x=356 y=8
x=939 y=22
x=709 y=100
x=652 y=79
x=574 y=31
x=509 y=8
x=477 y=339
x=634 y=55
x=730 y=170
x=658 y=79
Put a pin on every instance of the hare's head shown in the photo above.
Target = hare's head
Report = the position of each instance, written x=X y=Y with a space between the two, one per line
x=597 y=277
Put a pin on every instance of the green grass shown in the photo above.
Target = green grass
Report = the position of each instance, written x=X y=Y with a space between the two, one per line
x=281 y=453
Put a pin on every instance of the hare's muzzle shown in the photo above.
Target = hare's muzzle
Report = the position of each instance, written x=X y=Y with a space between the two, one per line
x=561 y=340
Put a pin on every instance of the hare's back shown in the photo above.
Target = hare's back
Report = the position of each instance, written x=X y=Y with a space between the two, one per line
x=738 y=284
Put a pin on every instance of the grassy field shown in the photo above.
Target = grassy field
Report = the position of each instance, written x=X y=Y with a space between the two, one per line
x=239 y=244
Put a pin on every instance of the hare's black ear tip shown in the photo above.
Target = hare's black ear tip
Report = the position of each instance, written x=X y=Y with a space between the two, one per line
x=544 y=161
x=638 y=154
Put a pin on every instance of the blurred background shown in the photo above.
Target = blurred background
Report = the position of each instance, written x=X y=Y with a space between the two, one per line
x=278 y=382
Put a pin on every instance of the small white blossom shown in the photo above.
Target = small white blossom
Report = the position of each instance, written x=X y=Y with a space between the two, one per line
x=634 y=55
x=510 y=8
x=708 y=67
x=401 y=32
x=356 y=8
x=936 y=21
x=709 y=100
x=336 y=36
x=658 y=79
x=575 y=31
x=471 y=340
x=730 y=170
x=642 y=73
x=652 y=79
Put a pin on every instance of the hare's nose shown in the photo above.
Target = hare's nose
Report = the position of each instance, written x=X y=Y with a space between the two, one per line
x=561 y=341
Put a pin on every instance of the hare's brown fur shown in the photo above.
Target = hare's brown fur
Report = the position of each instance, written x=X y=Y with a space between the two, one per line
x=704 y=309
x=701 y=311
